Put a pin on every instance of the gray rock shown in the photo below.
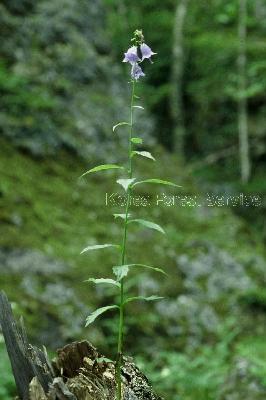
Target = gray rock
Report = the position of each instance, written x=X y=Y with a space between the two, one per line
x=212 y=283
x=29 y=262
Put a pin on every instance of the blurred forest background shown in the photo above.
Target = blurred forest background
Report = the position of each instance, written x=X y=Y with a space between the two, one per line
x=63 y=87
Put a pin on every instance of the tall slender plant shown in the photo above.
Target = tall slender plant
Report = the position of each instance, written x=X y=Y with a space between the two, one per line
x=136 y=54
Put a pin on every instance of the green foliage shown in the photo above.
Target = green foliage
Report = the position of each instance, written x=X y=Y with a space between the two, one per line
x=126 y=183
x=215 y=371
x=147 y=224
x=191 y=376
x=136 y=298
x=156 y=181
x=254 y=298
x=108 y=281
x=122 y=271
x=136 y=140
x=7 y=386
x=91 y=318
x=98 y=247
x=102 y=168
x=119 y=124
x=142 y=154
x=253 y=349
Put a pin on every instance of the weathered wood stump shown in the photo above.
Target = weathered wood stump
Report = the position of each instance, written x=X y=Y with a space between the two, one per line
x=79 y=371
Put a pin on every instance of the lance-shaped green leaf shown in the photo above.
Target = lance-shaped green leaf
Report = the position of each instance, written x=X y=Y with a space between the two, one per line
x=139 y=107
x=155 y=180
x=121 y=271
x=100 y=281
x=126 y=183
x=136 y=140
x=147 y=224
x=143 y=154
x=150 y=298
x=103 y=167
x=92 y=317
x=99 y=246
x=120 y=124
x=156 y=269
x=122 y=216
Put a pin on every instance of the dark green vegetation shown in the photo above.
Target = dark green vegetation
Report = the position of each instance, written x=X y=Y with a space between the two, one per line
x=62 y=88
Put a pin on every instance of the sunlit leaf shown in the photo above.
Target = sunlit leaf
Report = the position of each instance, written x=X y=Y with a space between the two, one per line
x=92 y=317
x=147 y=224
x=125 y=183
x=102 y=281
x=136 y=140
x=121 y=271
x=156 y=269
x=155 y=180
x=143 y=154
x=120 y=124
x=102 y=168
x=98 y=247
x=139 y=107
x=150 y=298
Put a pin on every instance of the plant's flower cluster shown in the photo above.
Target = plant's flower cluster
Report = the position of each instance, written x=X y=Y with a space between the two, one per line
x=135 y=55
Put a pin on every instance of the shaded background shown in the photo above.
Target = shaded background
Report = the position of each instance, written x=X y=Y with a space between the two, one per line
x=63 y=87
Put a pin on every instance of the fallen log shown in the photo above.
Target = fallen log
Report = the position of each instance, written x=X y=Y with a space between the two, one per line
x=79 y=372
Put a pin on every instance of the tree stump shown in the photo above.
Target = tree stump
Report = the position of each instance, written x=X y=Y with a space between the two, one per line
x=79 y=372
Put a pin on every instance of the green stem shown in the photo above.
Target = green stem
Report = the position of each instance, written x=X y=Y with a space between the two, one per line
x=123 y=257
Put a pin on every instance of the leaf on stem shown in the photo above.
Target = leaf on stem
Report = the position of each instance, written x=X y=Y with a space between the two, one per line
x=147 y=224
x=155 y=180
x=150 y=298
x=102 y=168
x=143 y=154
x=156 y=269
x=126 y=183
x=120 y=124
x=136 y=140
x=100 y=281
x=98 y=247
x=122 y=271
x=92 y=317
x=139 y=107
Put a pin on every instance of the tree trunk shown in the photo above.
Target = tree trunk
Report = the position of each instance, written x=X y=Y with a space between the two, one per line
x=242 y=98
x=176 y=99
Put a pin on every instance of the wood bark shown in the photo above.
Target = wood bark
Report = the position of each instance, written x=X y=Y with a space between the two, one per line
x=176 y=99
x=79 y=371
x=244 y=150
